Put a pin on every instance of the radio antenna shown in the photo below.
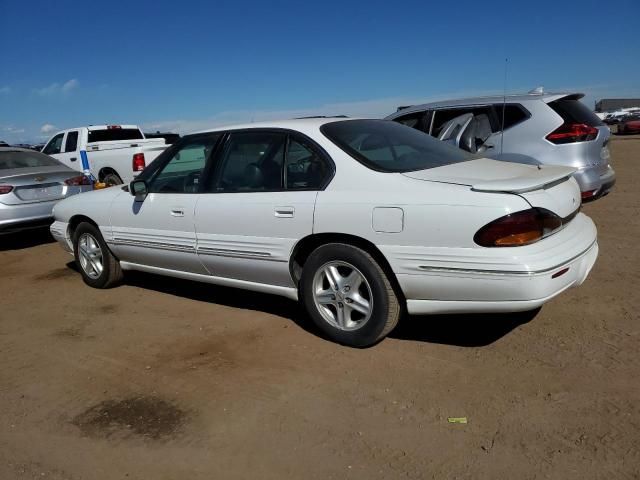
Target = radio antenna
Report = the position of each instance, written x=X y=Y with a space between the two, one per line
x=504 y=105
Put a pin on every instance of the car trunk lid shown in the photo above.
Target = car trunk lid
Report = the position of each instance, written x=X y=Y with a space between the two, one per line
x=543 y=186
x=44 y=185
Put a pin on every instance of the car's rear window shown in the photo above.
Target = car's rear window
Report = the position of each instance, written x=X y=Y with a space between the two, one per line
x=388 y=146
x=13 y=159
x=111 y=134
x=574 y=111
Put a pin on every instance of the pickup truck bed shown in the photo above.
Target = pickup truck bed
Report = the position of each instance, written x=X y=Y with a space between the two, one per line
x=115 y=153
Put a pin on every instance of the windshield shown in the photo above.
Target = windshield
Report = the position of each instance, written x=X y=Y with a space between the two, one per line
x=388 y=146
x=15 y=159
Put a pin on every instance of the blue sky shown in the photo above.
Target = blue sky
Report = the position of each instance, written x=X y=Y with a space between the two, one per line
x=187 y=65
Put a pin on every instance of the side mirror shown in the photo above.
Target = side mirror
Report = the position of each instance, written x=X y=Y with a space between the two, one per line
x=139 y=189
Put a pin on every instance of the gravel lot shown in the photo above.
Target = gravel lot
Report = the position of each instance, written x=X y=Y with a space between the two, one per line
x=167 y=379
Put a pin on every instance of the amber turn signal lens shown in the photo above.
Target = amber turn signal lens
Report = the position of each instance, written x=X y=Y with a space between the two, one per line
x=518 y=239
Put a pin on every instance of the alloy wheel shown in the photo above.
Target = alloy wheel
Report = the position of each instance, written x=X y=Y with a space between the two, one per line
x=342 y=295
x=90 y=255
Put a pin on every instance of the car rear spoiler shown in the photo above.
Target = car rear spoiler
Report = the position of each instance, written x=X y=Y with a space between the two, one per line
x=542 y=177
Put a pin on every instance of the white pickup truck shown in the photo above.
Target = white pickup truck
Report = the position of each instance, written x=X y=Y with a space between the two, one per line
x=115 y=153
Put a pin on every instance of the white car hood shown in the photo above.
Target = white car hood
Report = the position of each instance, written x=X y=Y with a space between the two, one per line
x=495 y=176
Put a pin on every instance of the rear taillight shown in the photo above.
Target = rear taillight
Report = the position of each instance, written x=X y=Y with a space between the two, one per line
x=5 y=189
x=77 y=181
x=571 y=133
x=138 y=162
x=588 y=194
x=519 y=228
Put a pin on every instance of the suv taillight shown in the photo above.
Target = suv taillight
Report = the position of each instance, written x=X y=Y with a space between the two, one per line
x=571 y=133
x=5 y=189
x=138 y=163
x=519 y=228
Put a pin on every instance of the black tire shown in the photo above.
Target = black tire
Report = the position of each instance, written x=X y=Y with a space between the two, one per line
x=385 y=312
x=112 y=179
x=111 y=273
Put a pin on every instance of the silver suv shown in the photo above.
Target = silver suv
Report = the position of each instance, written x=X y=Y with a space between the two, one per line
x=539 y=128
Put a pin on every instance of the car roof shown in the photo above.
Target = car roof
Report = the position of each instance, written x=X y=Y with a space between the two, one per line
x=291 y=124
x=516 y=98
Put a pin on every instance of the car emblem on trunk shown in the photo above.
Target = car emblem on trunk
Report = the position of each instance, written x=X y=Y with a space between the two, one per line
x=40 y=179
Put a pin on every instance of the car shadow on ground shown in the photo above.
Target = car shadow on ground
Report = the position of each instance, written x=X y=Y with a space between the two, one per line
x=25 y=239
x=462 y=330
x=469 y=330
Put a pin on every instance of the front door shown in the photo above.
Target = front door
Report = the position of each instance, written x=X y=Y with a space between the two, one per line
x=260 y=204
x=54 y=146
x=159 y=230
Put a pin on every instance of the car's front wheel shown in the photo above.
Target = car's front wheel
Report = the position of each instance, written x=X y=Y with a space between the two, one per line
x=348 y=295
x=98 y=266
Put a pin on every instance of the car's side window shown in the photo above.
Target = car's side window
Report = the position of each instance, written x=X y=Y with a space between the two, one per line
x=252 y=161
x=513 y=114
x=54 y=146
x=305 y=168
x=71 y=144
x=183 y=171
x=413 y=120
x=484 y=113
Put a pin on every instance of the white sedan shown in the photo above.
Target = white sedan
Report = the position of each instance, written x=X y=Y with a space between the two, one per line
x=357 y=219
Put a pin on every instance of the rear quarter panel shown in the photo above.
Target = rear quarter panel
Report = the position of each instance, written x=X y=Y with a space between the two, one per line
x=434 y=214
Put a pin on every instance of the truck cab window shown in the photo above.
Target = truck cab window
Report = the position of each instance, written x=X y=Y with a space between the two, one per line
x=54 y=146
x=71 y=144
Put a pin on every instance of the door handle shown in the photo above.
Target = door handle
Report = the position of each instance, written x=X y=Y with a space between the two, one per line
x=284 y=212
x=177 y=212
x=73 y=159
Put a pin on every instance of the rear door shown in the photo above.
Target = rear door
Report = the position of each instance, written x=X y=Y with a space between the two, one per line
x=261 y=203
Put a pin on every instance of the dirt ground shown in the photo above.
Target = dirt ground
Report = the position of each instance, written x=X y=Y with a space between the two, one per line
x=167 y=379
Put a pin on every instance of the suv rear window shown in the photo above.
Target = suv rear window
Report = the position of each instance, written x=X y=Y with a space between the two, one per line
x=574 y=111
x=387 y=146
x=111 y=134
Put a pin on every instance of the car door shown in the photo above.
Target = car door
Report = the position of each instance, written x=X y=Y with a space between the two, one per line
x=69 y=154
x=159 y=230
x=261 y=203
x=54 y=146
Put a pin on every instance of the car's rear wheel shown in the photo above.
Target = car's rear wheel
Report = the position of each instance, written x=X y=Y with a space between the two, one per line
x=111 y=179
x=348 y=295
x=98 y=266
